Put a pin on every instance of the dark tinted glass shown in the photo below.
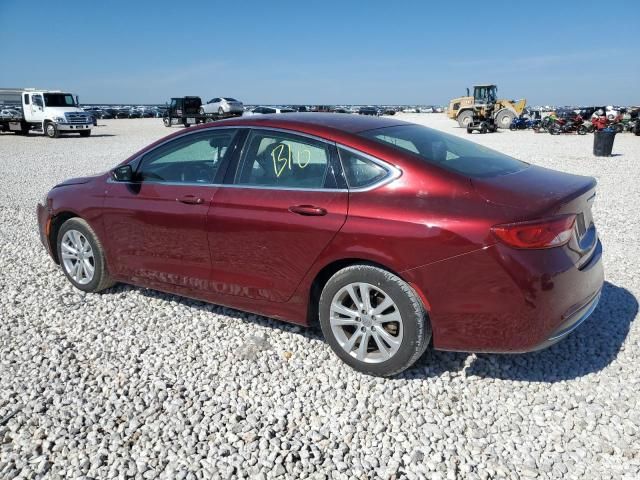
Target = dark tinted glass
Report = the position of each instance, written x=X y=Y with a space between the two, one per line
x=359 y=170
x=446 y=151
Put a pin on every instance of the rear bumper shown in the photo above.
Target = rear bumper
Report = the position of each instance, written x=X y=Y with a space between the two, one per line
x=572 y=322
x=499 y=299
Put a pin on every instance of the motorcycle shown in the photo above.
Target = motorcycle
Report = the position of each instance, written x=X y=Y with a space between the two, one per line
x=544 y=124
x=521 y=123
x=564 y=125
x=601 y=122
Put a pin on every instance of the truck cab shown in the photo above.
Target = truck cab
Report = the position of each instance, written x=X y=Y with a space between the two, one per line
x=51 y=111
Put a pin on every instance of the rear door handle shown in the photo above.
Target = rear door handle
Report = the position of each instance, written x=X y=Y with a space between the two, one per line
x=190 y=199
x=308 y=210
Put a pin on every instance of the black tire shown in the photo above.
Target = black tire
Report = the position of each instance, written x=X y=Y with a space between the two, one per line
x=554 y=130
x=166 y=121
x=582 y=130
x=512 y=127
x=85 y=133
x=504 y=118
x=469 y=130
x=416 y=329
x=101 y=279
x=483 y=128
x=465 y=118
x=51 y=130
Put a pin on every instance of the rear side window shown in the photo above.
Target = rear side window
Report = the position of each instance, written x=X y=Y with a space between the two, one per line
x=446 y=151
x=282 y=160
x=359 y=170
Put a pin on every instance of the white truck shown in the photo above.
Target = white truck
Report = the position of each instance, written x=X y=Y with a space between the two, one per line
x=50 y=111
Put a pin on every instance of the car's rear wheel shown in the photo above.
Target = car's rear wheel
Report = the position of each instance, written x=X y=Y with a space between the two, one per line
x=373 y=320
x=81 y=256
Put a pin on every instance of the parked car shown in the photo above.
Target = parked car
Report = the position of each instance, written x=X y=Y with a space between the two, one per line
x=108 y=113
x=122 y=113
x=10 y=113
x=269 y=110
x=222 y=106
x=389 y=235
x=368 y=111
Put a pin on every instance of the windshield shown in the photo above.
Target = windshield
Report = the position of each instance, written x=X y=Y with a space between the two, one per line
x=59 y=100
x=446 y=151
x=485 y=94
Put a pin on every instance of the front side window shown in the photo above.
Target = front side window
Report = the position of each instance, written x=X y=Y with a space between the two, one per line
x=190 y=159
x=274 y=159
x=360 y=171
x=446 y=151
x=37 y=100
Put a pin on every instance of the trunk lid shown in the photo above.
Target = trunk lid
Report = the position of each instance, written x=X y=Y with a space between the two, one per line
x=537 y=191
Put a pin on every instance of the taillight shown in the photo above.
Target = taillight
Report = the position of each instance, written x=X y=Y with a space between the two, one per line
x=543 y=233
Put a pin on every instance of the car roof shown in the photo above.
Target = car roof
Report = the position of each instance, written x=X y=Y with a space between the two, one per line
x=318 y=123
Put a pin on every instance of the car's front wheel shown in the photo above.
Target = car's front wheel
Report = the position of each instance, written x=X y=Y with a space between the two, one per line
x=81 y=256
x=373 y=320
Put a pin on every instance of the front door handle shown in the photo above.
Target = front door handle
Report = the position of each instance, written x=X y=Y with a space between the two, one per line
x=308 y=210
x=190 y=199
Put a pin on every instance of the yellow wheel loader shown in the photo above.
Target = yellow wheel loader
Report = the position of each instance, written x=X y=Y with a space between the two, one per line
x=484 y=99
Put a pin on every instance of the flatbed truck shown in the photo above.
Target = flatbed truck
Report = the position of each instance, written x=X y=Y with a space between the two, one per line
x=52 y=112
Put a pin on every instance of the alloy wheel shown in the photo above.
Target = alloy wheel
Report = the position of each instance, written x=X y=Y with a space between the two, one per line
x=77 y=257
x=366 y=322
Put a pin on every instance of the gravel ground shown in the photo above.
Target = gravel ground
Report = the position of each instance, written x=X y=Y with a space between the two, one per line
x=136 y=383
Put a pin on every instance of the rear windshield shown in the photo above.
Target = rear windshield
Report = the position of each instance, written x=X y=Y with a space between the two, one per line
x=229 y=99
x=446 y=151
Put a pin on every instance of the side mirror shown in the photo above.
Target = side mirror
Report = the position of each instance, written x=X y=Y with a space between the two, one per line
x=123 y=173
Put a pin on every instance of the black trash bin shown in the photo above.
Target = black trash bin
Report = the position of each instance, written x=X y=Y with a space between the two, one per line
x=603 y=142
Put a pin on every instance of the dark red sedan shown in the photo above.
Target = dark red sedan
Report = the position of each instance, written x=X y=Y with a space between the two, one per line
x=388 y=234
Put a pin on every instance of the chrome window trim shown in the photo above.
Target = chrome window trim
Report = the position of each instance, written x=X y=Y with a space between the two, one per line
x=226 y=185
x=394 y=172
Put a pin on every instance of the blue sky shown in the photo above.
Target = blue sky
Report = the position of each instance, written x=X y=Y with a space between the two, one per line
x=405 y=52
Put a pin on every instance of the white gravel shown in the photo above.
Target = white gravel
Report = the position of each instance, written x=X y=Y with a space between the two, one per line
x=138 y=384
